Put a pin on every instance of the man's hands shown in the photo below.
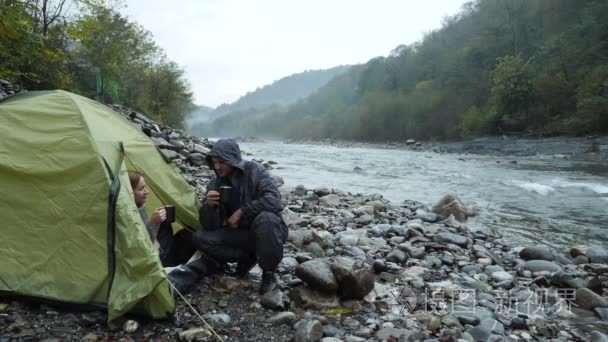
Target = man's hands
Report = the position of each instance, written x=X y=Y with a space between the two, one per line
x=233 y=221
x=158 y=216
x=213 y=198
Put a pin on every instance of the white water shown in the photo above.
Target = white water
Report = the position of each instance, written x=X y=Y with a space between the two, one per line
x=538 y=200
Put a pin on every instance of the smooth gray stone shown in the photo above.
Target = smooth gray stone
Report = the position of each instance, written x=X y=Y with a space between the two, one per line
x=445 y=238
x=388 y=333
x=537 y=253
x=396 y=256
x=602 y=313
x=587 y=299
x=541 y=266
x=286 y=317
x=318 y=274
x=598 y=254
x=597 y=336
x=471 y=320
x=274 y=300
x=309 y=331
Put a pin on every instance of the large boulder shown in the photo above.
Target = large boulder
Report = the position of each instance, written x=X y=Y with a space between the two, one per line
x=451 y=205
x=318 y=274
x=355 y=278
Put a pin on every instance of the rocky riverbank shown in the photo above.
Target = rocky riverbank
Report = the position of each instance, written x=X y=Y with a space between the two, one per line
x=358 y=267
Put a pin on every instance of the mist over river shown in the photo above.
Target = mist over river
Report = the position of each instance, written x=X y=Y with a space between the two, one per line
x=537 y=200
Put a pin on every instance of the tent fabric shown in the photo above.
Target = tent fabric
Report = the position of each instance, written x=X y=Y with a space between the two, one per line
x=59 y=153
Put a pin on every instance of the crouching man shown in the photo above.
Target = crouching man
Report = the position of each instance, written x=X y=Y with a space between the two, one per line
x=244 y=224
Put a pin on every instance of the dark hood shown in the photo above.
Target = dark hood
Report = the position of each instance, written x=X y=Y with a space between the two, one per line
x=227 y=150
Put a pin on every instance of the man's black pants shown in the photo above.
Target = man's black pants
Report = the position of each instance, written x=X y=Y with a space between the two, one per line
x=174 y=249
x=263 y=239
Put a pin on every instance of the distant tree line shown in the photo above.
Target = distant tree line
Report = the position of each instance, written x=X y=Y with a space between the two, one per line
x=536 y=67
x=88 y=47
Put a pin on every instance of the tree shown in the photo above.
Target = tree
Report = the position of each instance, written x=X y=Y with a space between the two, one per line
x=512 y=89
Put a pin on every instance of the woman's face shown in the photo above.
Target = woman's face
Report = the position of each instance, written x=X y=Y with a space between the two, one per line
x=141 y=192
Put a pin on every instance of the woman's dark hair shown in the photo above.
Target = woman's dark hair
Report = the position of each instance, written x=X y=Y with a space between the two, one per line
x=134 y=178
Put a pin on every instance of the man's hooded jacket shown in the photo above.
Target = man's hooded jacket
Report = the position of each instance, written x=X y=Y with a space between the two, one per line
x=258 y=191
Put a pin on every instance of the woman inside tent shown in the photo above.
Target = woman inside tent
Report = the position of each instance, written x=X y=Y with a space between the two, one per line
x=173 y=250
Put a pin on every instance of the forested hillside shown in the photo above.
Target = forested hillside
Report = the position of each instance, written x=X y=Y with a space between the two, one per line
x=535 y=67
x=283 y=92
x=89 y=48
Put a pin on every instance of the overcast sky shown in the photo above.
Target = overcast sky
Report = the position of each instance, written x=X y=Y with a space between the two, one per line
x=230 y=47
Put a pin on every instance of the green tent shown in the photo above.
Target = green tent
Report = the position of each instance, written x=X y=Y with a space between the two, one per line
x=70 y=229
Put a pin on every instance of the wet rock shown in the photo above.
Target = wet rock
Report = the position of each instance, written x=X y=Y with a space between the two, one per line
x=471 y=269
x=364 y=210
x=536 y=253
x=434 y=324
x=90 y=337
x=194 y=334
x=355 y=280
x=451 y=205
x=427 y=217
x=519 y=323
x=277 y=180
x=323 y=191
x=300 y=190
x=601 y=313
x=329 y=201
x=486 y=328
x=413 y=252
x=300 y=237
x=289 y=263
x=281 y=318
x=445 y=238
x=377 y=205
x=330 y=339
x=331 y=331
x=314 y=249
x=597 y=336
x=169 y=154
x=218 y=319
x=471 y=320
x=318 y=274
x=581 y=259
x=541 y=266
x=274 y=300
x=501 y=276
x=197 y=159
x=198 y=148
x=379 y=266
x=578 y=250
x=305 y=296
x=483 y=252
x=308 y=331
x=320 y=222
x=130 y=326
x=598 y=254
x=587 y=299
x=396 y=256
x=387 y=334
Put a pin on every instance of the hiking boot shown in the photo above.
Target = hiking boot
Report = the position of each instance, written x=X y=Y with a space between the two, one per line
x=243 y=267
x=269 y=282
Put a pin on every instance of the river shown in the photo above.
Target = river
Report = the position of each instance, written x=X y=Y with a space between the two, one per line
x=539 y=200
